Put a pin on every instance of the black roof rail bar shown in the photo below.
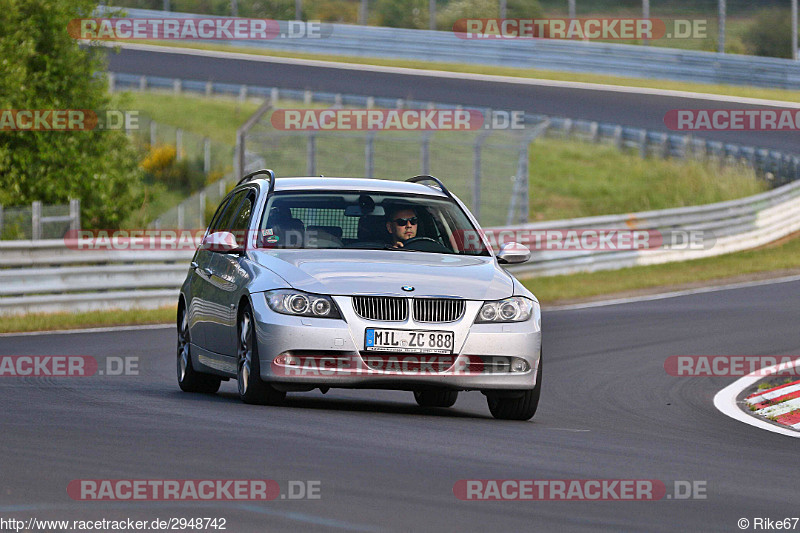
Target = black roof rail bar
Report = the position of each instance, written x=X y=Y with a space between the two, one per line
x=264 y=171
x=437 y=181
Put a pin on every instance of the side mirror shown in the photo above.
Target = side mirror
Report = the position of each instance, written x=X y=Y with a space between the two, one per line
x=512 y=253
x=221 y=241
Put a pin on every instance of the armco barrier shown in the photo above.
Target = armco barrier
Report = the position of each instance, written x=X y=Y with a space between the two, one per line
x=735 y=225
x=46 y=276
x=570 y=56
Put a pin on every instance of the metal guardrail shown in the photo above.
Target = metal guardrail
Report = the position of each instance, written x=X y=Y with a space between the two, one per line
x=39 y=221
x=65 y=279
x=47 y=276
x=731 y=226
x=568 y=56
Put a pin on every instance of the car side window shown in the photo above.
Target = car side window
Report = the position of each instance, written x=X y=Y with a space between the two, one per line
x=214 y=224
x=226 y=219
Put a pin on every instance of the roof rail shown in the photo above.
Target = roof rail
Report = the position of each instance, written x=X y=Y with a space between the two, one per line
x=264 y=171
x=437 y=181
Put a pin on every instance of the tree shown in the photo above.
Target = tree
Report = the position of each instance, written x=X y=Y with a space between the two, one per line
x=770 y=34
x=524 y=9
x=43 y=68
x=402 y=13
x=465 y=9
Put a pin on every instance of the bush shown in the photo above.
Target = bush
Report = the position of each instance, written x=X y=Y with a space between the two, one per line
x=42 y=67
x=401 y=14
x=465 y=9
x=158 y=159
x=524 y=9
x=273 y=9
x=161 y=166
x=770 y=34
x=334 y=11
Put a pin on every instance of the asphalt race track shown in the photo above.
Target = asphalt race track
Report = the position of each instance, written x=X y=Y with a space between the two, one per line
x=608 y=411
x=629 y=109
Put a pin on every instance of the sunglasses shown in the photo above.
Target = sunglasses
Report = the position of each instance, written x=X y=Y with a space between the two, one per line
x=405 y=221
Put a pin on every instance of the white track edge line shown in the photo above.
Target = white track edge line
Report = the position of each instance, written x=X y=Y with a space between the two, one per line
x=674 y=294
x=725 y=401
x=108 y=329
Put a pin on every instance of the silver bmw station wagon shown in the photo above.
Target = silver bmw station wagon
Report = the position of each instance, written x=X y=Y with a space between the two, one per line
x=316 y=282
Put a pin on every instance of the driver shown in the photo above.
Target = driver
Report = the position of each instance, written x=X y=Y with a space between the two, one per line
x=401 y=225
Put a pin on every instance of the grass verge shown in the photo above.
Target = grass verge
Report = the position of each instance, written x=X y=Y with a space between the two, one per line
x=91 y=319
x=216 y=118
x=569 y=178
x=727 y=90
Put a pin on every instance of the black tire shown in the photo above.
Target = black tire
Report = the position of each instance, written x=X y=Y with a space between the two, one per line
x=252 y=389
x=189 y=380
x=436 y=398
x=517 y=408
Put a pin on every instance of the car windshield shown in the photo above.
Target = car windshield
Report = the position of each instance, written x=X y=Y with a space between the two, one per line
x=376 y=221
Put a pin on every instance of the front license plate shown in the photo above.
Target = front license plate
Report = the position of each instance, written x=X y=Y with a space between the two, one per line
x=400 y=340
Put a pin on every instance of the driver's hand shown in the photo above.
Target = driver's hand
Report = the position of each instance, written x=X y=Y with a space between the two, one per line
x=398 y=244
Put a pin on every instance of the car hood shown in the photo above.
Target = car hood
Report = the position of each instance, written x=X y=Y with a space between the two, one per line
x=346 y=272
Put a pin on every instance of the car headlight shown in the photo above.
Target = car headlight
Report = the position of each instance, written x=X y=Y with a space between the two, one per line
x=298 y=303
x=514 y=309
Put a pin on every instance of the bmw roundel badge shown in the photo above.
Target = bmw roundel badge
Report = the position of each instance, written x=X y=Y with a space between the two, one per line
x=408 y=288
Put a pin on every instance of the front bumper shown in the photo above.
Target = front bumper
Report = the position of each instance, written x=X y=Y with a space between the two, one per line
x=331 y=352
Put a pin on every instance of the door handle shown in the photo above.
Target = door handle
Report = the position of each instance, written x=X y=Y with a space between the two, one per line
x=194 y=265
x=208 y=272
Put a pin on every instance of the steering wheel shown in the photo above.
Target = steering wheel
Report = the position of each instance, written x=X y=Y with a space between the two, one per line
x=437 y=246
x=418 y=239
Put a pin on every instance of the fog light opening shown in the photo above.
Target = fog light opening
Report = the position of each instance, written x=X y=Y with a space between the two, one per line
x=519 y=365
x=289 y=360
